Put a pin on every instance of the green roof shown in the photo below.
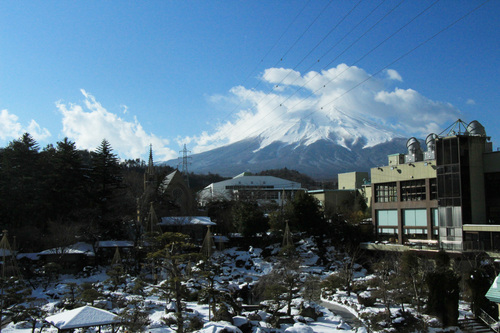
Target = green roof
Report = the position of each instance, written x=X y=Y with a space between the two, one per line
x=493 y=293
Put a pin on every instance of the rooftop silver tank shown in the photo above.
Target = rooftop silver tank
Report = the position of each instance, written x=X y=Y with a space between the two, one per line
x=476 y=129
x=430 y=142
x=415 y=153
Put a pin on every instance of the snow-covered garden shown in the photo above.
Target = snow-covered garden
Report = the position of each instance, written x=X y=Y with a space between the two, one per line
x=237 y=290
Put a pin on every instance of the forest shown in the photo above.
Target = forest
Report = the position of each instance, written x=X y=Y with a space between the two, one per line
x=51 y=195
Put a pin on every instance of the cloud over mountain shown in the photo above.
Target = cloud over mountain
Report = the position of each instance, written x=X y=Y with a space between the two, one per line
x=330 y=105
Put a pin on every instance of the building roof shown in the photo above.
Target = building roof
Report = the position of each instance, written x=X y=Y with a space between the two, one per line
x=258 y=181
x=113 y=243
x=85 y=316
x=493 y=293
x=186 y=220
x=77 y=248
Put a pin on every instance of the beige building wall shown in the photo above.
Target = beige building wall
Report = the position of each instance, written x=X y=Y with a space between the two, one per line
x=401 y=172
x=367 y=194
x=352 y=180
x=332 y=199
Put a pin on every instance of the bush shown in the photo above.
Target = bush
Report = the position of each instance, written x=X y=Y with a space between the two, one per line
x=194 y=323
x=332 y=283
x=366 y=299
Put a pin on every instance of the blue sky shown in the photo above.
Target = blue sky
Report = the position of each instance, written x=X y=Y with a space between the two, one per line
x=196 y=72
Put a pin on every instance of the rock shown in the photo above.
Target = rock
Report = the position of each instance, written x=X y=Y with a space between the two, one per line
x=254 y=317
x=309 y=312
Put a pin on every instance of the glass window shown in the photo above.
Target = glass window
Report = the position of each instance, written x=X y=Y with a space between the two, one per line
x=415 y=217
x=435 y=217
x=386 y=192
x=413 y=190
x=387 y=217
x=433 y=185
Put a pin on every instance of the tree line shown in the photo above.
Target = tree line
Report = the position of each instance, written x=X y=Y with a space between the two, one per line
x=51 y=191
x=53 y=196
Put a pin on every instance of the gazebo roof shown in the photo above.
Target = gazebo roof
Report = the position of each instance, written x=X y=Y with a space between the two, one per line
x=85 y=316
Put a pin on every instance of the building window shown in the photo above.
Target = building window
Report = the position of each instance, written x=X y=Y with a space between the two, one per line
x=388 y=231
x=433 y=186
x=448 y=172
x=415 y=217
x=435 y=217
x=386 y=192
x=387 y=217
x=413 y=190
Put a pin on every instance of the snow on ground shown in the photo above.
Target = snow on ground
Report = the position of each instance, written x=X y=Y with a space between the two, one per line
x=239 y=268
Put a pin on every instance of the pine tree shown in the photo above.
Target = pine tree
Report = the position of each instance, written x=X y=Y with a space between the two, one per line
x=249 y=219
x=29 y=311
x=134 y=317
x=107 y=180
x=444 y=291
x=174 y=258
x=21 y=184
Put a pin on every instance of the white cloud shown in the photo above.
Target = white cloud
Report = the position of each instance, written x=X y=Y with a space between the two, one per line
x=394 y=75
x=9 y=125
x=326 y=98
x=470 y=101
x=89 y=126
x=37 y=132
x=11 y=128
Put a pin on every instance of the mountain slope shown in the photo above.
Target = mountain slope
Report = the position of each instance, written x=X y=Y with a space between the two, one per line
x=319 y=144
x=321 y=159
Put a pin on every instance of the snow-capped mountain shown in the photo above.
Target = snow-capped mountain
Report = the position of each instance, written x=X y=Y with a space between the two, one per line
x=319 y=123
x=335 y=127
x=320 y=146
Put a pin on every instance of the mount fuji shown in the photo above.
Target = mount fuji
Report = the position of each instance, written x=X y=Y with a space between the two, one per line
x=320 y=146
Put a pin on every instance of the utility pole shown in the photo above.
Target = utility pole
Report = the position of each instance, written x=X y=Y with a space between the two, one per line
x=185 y=162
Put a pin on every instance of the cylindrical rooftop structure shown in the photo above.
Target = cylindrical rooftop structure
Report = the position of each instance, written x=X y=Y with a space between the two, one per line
x=475 y=128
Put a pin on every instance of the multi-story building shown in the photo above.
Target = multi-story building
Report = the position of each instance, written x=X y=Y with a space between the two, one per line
x=447 y=196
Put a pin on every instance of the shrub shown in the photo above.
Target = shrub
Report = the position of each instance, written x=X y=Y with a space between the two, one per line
x=366 y=299
x=332 y=282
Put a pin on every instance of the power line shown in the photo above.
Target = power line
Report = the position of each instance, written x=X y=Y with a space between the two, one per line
x=267 y=53
x=391 y=63
x=411 y=51
x=331 y=30
x=335 y=46
x=314 y=76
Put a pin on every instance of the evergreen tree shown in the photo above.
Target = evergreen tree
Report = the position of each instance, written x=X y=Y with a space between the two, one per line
x=29 y=311
x=444 y=291
x=478 y=283
x=21 y=184
x=107 y=180
x=88 y=293
x=304 y=214
x=414 y=269
x=249 y=219
x=106 y=173
x=133 y=317
x=174 y=258
x=220 y=211
x=69 y=187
